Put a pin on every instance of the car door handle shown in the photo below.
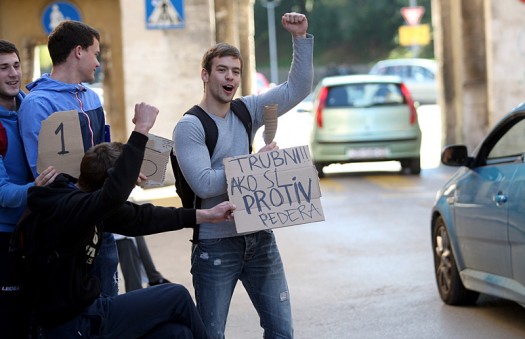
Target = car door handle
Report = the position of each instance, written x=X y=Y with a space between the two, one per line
x=500 y=199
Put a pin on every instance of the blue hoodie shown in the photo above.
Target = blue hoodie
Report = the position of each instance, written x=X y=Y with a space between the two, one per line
x=15 y=176
x=48 y=96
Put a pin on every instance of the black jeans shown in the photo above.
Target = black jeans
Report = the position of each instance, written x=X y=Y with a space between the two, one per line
x=11 y=308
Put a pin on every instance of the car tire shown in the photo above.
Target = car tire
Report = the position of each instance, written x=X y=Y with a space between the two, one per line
x=450 y=287
x=319 y=167
x=411 y=166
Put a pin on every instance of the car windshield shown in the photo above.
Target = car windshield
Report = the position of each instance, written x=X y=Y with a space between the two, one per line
x=364 y=95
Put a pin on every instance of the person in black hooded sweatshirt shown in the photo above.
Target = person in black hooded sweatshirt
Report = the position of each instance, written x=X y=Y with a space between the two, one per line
x=71 y=217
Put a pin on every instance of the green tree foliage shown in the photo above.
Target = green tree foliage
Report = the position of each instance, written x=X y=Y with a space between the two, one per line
x=346 y=31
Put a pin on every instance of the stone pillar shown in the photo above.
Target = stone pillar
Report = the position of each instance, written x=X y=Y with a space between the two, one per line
x=474 y=65
x=226 y=21
x=442 y=28
x=234 y=25
x=459 y=38
x=247 y=44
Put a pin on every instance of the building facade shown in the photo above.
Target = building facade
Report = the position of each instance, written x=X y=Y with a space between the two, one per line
x=480 y=46
x=159 y=65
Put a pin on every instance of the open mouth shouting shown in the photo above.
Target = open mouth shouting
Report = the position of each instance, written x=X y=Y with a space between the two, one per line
x=228 y=88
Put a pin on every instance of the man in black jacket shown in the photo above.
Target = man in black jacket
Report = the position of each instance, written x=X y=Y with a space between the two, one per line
x=71 y=216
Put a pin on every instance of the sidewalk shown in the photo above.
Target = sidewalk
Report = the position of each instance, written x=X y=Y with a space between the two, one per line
x=139 y=194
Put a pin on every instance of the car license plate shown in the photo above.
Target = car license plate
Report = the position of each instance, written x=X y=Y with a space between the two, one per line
x=368 y=153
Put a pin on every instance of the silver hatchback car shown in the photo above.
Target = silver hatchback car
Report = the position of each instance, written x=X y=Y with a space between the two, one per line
x=419 y=75
x=364 y=118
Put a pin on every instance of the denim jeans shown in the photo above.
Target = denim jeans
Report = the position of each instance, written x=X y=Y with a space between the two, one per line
x=105 y=267
x=163 y=311
x=254 y=259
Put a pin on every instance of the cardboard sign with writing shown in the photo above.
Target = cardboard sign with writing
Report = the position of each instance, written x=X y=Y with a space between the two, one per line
x=60 y=143
x=156 y=159
x=274 y=189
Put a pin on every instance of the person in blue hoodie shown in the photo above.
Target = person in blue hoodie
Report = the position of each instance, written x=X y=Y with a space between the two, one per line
x=15 y=179
x=74 y=48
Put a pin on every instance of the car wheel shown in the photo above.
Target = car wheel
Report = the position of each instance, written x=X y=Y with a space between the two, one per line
x=319 y=167
x=412 y=166
x=450 y=286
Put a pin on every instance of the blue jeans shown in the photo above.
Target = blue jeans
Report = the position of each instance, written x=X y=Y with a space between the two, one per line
x=254 y=259
x=162 y=311
x=105 y=267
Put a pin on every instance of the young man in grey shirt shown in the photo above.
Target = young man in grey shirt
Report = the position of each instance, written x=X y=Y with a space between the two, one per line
x=221 y=257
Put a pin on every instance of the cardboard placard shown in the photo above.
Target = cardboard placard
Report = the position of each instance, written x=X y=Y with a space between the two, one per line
x=60 y=143
x=156 y=159
x=274 y=189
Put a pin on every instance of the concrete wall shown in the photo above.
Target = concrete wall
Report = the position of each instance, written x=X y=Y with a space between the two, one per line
x=480 y=46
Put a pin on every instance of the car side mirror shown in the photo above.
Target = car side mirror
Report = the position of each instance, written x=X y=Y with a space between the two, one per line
x=455 y=155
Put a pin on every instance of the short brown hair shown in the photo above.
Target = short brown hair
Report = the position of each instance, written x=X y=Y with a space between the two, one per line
x=7 y=47
x=68 y=35
x=220 y=50
x=96 y=163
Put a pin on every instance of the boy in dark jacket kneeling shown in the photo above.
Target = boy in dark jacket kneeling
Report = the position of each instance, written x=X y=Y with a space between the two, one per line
x=70 y=216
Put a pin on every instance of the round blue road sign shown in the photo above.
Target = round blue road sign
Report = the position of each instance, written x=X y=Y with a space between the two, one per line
x=57 y=12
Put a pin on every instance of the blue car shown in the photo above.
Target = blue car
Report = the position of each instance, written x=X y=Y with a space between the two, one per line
x=478 y=219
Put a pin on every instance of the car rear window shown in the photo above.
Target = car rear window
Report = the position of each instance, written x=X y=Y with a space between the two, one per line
x=364 y=95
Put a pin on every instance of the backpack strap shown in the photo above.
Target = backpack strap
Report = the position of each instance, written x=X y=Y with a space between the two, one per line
x=211 y=132
x=241 y=111
x=3 y=141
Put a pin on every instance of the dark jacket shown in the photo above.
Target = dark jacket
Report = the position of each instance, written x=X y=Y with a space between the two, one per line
x=72 y=222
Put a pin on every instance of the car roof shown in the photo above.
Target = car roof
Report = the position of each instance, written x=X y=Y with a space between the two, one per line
x=359 y=78
x=408 y=61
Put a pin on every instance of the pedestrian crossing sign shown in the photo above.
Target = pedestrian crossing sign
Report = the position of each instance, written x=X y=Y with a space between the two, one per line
x=164 y=14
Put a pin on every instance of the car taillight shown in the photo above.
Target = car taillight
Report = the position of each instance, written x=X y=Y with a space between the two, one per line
x=320 y=106
x=410 y=103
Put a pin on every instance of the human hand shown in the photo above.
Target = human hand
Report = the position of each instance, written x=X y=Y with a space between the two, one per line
x=270 y=147
x=145 y=116
x=218 y=213
x=295 y=23
x=141 y=179
x=46 y=177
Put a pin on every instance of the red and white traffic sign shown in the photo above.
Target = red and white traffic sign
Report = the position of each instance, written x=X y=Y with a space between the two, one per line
x=412 y=14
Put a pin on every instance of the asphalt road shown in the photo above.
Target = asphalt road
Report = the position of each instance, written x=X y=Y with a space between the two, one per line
x=365 y=272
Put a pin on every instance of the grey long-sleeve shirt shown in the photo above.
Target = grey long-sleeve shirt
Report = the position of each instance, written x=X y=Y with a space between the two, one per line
x=207 y=176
